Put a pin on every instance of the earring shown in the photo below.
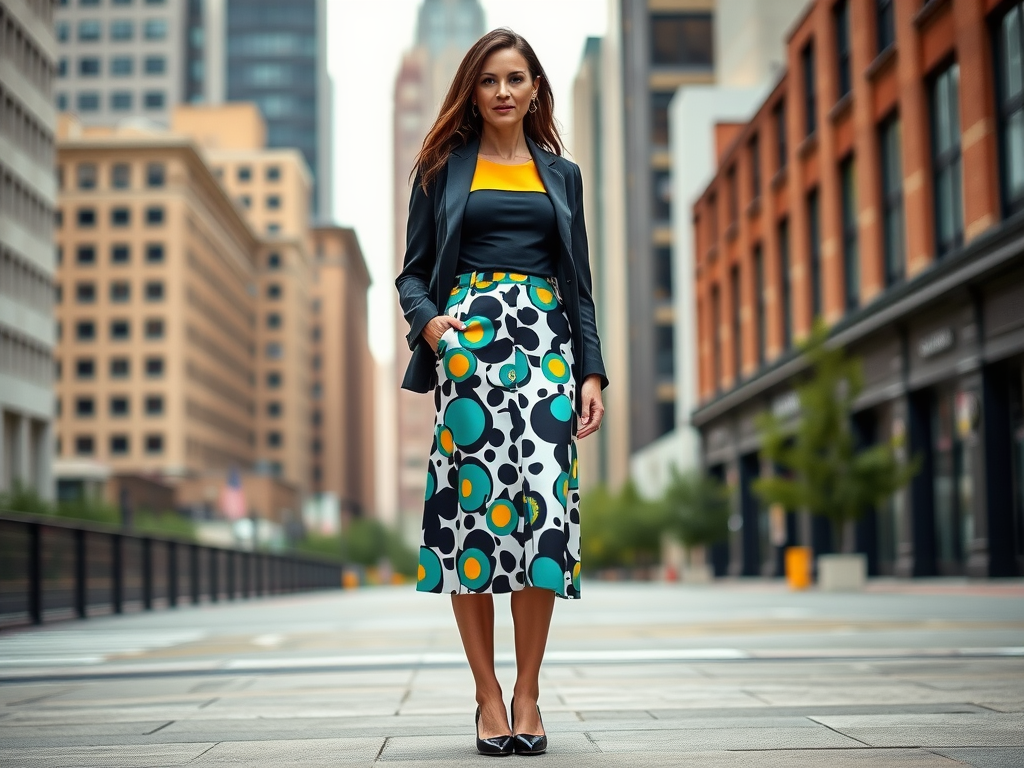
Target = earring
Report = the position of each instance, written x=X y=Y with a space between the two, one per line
x=474 y=110
x=533 y=106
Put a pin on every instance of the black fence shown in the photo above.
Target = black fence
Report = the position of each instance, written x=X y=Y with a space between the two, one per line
x=57 y=569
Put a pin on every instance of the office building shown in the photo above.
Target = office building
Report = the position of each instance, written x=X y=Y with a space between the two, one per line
x=27 y=203
x=878 y=187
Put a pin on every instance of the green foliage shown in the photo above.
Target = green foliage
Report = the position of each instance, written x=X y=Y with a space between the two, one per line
x=365 y=542
x=622 y=529
x=164 y=524
x=824 y=472
x=697 y=509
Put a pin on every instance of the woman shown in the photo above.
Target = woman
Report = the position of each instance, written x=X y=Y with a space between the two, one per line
x=496 y=289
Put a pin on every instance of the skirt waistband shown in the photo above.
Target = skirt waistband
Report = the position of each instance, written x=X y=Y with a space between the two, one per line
x=485 y=279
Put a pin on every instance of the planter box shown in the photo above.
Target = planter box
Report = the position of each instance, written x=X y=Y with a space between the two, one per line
x=842 y=573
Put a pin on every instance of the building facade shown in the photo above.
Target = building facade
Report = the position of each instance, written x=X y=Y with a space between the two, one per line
x=445 y=31
x=847 y=198
x=27 y=203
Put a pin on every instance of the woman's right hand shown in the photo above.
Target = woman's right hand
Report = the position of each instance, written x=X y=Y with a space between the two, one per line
x=434 y=329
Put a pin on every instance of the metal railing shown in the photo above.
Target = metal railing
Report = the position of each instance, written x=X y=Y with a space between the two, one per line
x=53 y=568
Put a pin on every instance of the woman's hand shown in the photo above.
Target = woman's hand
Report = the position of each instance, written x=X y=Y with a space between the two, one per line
x=593 y=407
x=436 y=327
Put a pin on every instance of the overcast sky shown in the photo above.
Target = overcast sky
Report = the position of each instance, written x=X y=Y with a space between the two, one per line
x=365 y=43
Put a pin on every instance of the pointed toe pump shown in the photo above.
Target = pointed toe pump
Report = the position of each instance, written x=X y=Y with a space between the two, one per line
x=527 y=743
x=497 y=746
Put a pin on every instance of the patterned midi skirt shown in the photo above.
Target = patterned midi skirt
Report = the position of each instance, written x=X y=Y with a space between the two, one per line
x=502 y=502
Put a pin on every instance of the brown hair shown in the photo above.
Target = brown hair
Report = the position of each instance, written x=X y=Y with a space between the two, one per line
x=455 y=123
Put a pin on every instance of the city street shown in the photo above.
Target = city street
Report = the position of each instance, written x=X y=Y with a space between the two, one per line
x=927 y=673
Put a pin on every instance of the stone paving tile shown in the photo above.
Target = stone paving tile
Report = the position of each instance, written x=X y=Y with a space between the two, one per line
x=440 y=748
x=723 y=738
x=976 y=735
x=119 y=756
x=868 y=693
x=984 y=757
x=308 y=753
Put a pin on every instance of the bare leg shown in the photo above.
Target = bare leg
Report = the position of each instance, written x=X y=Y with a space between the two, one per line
x=475 y=616
x=531 y=615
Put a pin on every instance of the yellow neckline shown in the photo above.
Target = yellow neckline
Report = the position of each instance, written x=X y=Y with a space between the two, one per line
x=505 y=165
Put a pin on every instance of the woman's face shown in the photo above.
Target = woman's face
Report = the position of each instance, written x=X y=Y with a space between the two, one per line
x=503 y=90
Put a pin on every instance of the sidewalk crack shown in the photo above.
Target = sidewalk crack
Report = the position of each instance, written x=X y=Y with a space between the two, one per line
x=216 y=743
x=381 y=750
x=591 y=740
x=159 y=728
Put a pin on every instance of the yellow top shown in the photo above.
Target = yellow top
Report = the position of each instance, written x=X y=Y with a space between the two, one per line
x=510 y=178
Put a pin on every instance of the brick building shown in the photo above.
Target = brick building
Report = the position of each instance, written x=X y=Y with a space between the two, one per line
x=878 y=186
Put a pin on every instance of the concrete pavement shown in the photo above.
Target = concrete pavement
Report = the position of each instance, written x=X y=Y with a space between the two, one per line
x=731 y=674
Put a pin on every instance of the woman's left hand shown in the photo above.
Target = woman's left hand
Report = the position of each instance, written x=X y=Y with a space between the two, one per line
x=593 y=407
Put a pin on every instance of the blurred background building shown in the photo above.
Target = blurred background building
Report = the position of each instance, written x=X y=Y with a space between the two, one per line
x=444 y=32
x=847 y=197
x=123 y=60
x=28 y=197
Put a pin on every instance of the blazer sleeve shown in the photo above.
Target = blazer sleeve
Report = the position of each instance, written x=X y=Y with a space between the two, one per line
x=413 y=282
x=593 y=362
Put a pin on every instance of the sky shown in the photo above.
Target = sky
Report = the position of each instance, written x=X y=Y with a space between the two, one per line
x=365 y=43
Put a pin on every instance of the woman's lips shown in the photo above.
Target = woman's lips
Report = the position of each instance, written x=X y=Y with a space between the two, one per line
x=503 y=109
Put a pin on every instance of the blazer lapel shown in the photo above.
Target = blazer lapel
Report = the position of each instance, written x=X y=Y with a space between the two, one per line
x=554 y=183
x=461 y=166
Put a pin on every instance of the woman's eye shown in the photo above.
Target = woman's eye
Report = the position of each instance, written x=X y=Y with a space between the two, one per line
x=517 y=80
x=487 y=81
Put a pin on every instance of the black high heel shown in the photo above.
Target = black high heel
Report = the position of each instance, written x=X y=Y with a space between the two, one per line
x=496 y=746
x=527 y=743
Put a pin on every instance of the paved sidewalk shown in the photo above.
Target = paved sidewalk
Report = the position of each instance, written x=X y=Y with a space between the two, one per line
x=736 y=674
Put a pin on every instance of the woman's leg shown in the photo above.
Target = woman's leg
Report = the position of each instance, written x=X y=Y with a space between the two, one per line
x=475 y=616
x=531 y=615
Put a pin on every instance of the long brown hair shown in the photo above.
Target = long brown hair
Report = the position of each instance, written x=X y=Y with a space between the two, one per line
x=456 y=125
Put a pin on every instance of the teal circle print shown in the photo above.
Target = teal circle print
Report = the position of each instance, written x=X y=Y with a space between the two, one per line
x=431 y=484
x=474 y=568
x=561 y=408
x=502 y=517
x=522 y=367
x=465 y=418
x=555 y=368
x=546 y=573
x=428 y=576
x=445 y=441
x=457 y=295
x=459 y=364
x=561 y=488
x=479 y=332
x=474 y=486
x=543 y=297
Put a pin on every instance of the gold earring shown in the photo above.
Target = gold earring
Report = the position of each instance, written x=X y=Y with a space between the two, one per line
x=474 y=110
x=533 y=106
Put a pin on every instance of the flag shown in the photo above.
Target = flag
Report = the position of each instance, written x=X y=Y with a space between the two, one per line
x=232 y=499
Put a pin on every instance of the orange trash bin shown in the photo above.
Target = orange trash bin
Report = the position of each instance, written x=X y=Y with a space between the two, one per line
x=798 y=567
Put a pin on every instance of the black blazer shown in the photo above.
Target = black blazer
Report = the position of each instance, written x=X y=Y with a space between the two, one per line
x=432 y=255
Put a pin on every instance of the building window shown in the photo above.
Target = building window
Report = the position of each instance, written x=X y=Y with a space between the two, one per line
x=89 y=66
x=155 y=175
x=154 y=367
x=316 y=362
x=786 y=305
x=755 y=167
x=153 y=99
x=118 y=445
x=120 y=217
x=666 y=417
x=121 y=101
x=86 y=175
x=274 y=291
x=759 y=309
x=273 y=379
x=85 y=330
x=122 y=29
x=946 y=174
x=154 y=443
x=659 y=117
x=155 y=29
x=814 y=238
x=716 y=338
x=155 y=65
x=273 y=173
x=810 y=97
x=120 y=368
x=317 y=390
x=62 y=67
x=85 y=368
x=154 y=253
x=274 y=261
x=273 y=202
x=314 y=333
x=664 y=351
x=316 y=418
x=154 y=405
x=274 y=409
x=737 y=328
x=662 y=202
x=154 y=215
x=121 y=176
x=663 y=274
x=61 y=29
x=120 y=292
x=154 y=291
x=154 y=328
x=86 y=217
x=62 y=102
x=886 y=25
x=841 y=12
x=273 y=228
x=89 y=31
x=120 y=330
x=119 y=406
x=1009 y=46
x=120 y=253
x=732 y=189
x=85 y=255
x=682 y=40
x=122 y=66
x=85 y=407
x=893 y=233
x=244 y=173
x=273 y=350
x=245 y=201
x=851 y=259
x=85 y=293
x=274 y=440
x=273 y=320
x=83 y=445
